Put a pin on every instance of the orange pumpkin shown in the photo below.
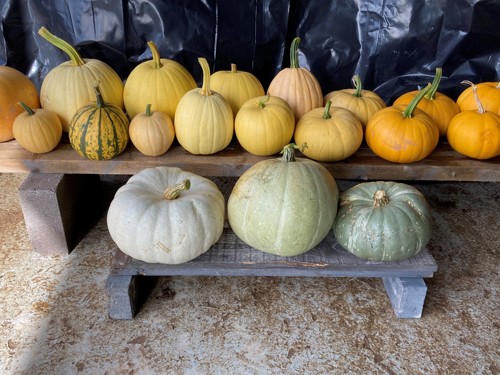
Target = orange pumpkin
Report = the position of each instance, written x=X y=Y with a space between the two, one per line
x=489 y=92
x=14 y=87
x=440 y=107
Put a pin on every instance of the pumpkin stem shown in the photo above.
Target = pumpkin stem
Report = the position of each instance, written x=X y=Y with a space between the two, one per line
x=174 y=191
x=156 y=55
x=148 y=110
x=263 y=101
x=326 y=112
x=294 y=53
x=289 y=151
x=435 y=84
x=75 y=57
x=408 y=112
x=205 y=88
x=234 y=68
x=99 y=99
x=356 y=81
x=380 y=199
x=480 y=107
x=26 y=108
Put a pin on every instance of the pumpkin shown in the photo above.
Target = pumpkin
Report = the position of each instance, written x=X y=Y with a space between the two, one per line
x=383 y=221
x=166 y=215
x=152 y=133
x=475 y=133
x=204 y=122
x=264 y=125
x=70 y=85
x=236 y=86
x=37 y=130
x=297 y=85
x=402 y=134
x=331 y=133
x=489 y=92
x=283 y=206
x=14 y=87
x=99 y=131
x=363 y=103
x=159 y=82
x=440 y=107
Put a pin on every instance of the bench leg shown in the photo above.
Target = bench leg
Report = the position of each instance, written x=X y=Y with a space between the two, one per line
x=407 y=295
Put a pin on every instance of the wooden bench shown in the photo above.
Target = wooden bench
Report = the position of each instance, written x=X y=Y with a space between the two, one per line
x=61 y=188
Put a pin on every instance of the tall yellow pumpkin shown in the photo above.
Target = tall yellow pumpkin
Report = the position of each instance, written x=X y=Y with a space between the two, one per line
x=204 y=121
x=159 y=82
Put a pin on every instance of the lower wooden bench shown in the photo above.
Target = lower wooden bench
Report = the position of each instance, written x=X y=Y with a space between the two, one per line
x=130 y=280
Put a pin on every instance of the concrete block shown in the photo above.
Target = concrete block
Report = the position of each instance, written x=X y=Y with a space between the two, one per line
x=407 y=295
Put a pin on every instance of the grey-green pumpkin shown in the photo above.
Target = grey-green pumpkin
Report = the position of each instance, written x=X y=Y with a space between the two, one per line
x=383 y=221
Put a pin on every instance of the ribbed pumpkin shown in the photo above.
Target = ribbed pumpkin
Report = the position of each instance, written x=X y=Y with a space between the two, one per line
x=37 y=130
x=159 y=82
x=489 y=92
x=14 y=87
x=402 y=134
x=383 y=221
x=440 y=107
x=70 y=85
x=99 y=131
x=204 y=122
x=331 y=133
x=264 y=125
x=283 y=206
x=363 y=103
x=475 y=133
x=166 y=215
x=152 y=132
x=298 y=86
x=236 y=86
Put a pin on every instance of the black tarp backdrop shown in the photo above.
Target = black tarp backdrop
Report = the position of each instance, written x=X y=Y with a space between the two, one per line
x=394 y=45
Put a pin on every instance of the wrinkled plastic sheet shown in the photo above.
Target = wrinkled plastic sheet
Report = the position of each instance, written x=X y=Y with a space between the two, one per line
x=394 y=45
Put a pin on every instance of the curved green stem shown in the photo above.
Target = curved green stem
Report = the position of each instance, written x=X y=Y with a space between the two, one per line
x=26 y=108
x=380 y=198
x=408 y=112
x=173 y=192
x=205 y=87
x=288 y=151
x=263 y=101
x=148 y=110
x=356 y=81
x=326 y=112
x=156 y=55
x=435 y=84
x=294 y=53
x=75 y=57
x=480 y=107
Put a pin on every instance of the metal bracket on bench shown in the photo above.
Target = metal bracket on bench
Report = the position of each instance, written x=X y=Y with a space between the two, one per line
x=407 y=295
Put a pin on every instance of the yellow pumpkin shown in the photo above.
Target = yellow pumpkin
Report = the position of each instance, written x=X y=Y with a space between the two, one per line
x=236 y=86
x=440 y=107
x=152 y=133
x=70 y=85
x=402 y=134
x=331 y=133
x=159 y=82
x=363 y=103
x=204 y=122
x=37 y=130
x=489 y=92
x=264 y=125
x=298 y=86
x=14 y=87
x=475 y=133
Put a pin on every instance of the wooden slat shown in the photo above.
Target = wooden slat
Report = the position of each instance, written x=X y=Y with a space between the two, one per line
x=443 y=164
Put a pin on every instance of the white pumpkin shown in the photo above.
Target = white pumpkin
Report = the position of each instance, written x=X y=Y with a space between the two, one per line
x=147 y=226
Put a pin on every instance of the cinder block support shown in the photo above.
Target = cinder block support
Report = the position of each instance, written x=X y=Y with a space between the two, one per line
x=407 y=295
x=59 y=209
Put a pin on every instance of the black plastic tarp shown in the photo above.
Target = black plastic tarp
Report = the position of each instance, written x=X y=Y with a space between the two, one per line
x=394 y=45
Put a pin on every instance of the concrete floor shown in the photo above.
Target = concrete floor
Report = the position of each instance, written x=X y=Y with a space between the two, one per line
x=54 y=320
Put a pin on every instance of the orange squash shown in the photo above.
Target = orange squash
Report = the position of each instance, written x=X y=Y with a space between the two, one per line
x=489 y=92
x=14 y=87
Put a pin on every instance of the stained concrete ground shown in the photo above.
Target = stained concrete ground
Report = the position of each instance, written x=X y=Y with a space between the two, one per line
x=53 y=316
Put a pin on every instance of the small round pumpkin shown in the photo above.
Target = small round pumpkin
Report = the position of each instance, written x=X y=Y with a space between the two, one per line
x=440 y=107
x=363 y=103
x=331 y=133
x=204 y=122
x=99 y=131
x=489 y=92
x=297 y=85
x=14 y=87
x=70 y=85
x=159 y=82
x=166 y=215
x=383 y=221
x=475 y=133
x=264 y=125
x=236 y=86
x=152 y=133
x=402 y=134
x=283 y=206
x=37 y=130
